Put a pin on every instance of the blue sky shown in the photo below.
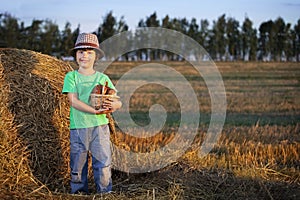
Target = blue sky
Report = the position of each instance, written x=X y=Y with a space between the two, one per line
x=89 y=14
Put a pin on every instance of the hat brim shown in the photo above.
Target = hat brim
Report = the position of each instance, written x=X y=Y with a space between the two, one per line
x=98 y=50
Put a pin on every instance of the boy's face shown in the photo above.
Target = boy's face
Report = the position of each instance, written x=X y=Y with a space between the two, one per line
x=85 y=57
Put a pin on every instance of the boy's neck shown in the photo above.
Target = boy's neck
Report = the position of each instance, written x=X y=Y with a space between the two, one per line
x=86 y=72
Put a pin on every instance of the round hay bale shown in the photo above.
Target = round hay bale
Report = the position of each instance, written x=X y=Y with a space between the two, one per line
x=34 y=125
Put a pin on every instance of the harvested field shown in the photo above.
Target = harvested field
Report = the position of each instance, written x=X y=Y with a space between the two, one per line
x=256 y=157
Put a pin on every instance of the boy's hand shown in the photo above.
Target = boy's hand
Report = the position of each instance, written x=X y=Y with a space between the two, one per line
x=102 y=111
x=112 y=104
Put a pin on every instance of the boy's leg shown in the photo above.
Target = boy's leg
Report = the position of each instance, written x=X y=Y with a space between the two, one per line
x=78 y=161
x=102 y=177
x=101 y=155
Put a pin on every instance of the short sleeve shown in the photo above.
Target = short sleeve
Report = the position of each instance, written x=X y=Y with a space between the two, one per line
x=69 y=83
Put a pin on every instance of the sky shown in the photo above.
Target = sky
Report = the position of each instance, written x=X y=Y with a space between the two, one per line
x=89 y=14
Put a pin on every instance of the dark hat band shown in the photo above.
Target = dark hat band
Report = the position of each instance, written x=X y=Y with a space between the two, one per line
x=87 y=44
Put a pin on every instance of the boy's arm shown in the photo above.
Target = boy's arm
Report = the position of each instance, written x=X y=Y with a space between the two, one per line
x=79 y=105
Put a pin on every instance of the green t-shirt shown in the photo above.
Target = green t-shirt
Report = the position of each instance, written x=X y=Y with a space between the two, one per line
x=75 y=82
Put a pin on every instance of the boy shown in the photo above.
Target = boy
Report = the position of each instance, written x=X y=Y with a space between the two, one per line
x=89 y=130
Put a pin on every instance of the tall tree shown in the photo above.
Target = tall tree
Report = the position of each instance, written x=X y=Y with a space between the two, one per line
x=297 y=41
x=280 y=33
x=33 y=39
x=121 y=25
x=288 y=43
x=212 y=43
x=204 y=33
x=67 y=40
x=166 y=22
x=9 y=31
x=147 y=54
x=193 y=32
x=152 y=21
x=233 y=36
x=266 y=38
x=219 y=29
x=108 y=27
x=50 y=38
x=248 y=40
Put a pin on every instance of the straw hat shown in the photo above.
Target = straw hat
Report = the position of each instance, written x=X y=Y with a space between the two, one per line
x=87 y=40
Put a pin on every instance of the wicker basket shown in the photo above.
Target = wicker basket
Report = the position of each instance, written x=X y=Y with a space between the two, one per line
x=97 y=100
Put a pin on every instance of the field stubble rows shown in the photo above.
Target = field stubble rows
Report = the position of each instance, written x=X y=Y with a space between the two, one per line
x=260 y=138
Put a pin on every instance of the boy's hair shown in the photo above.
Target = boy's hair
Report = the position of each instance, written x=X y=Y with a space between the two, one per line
x=98 y=56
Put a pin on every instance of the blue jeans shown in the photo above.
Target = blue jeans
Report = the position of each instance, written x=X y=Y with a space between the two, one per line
x=97 y=141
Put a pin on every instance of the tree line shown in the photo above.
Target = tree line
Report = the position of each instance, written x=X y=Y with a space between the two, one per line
x=224 y=40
